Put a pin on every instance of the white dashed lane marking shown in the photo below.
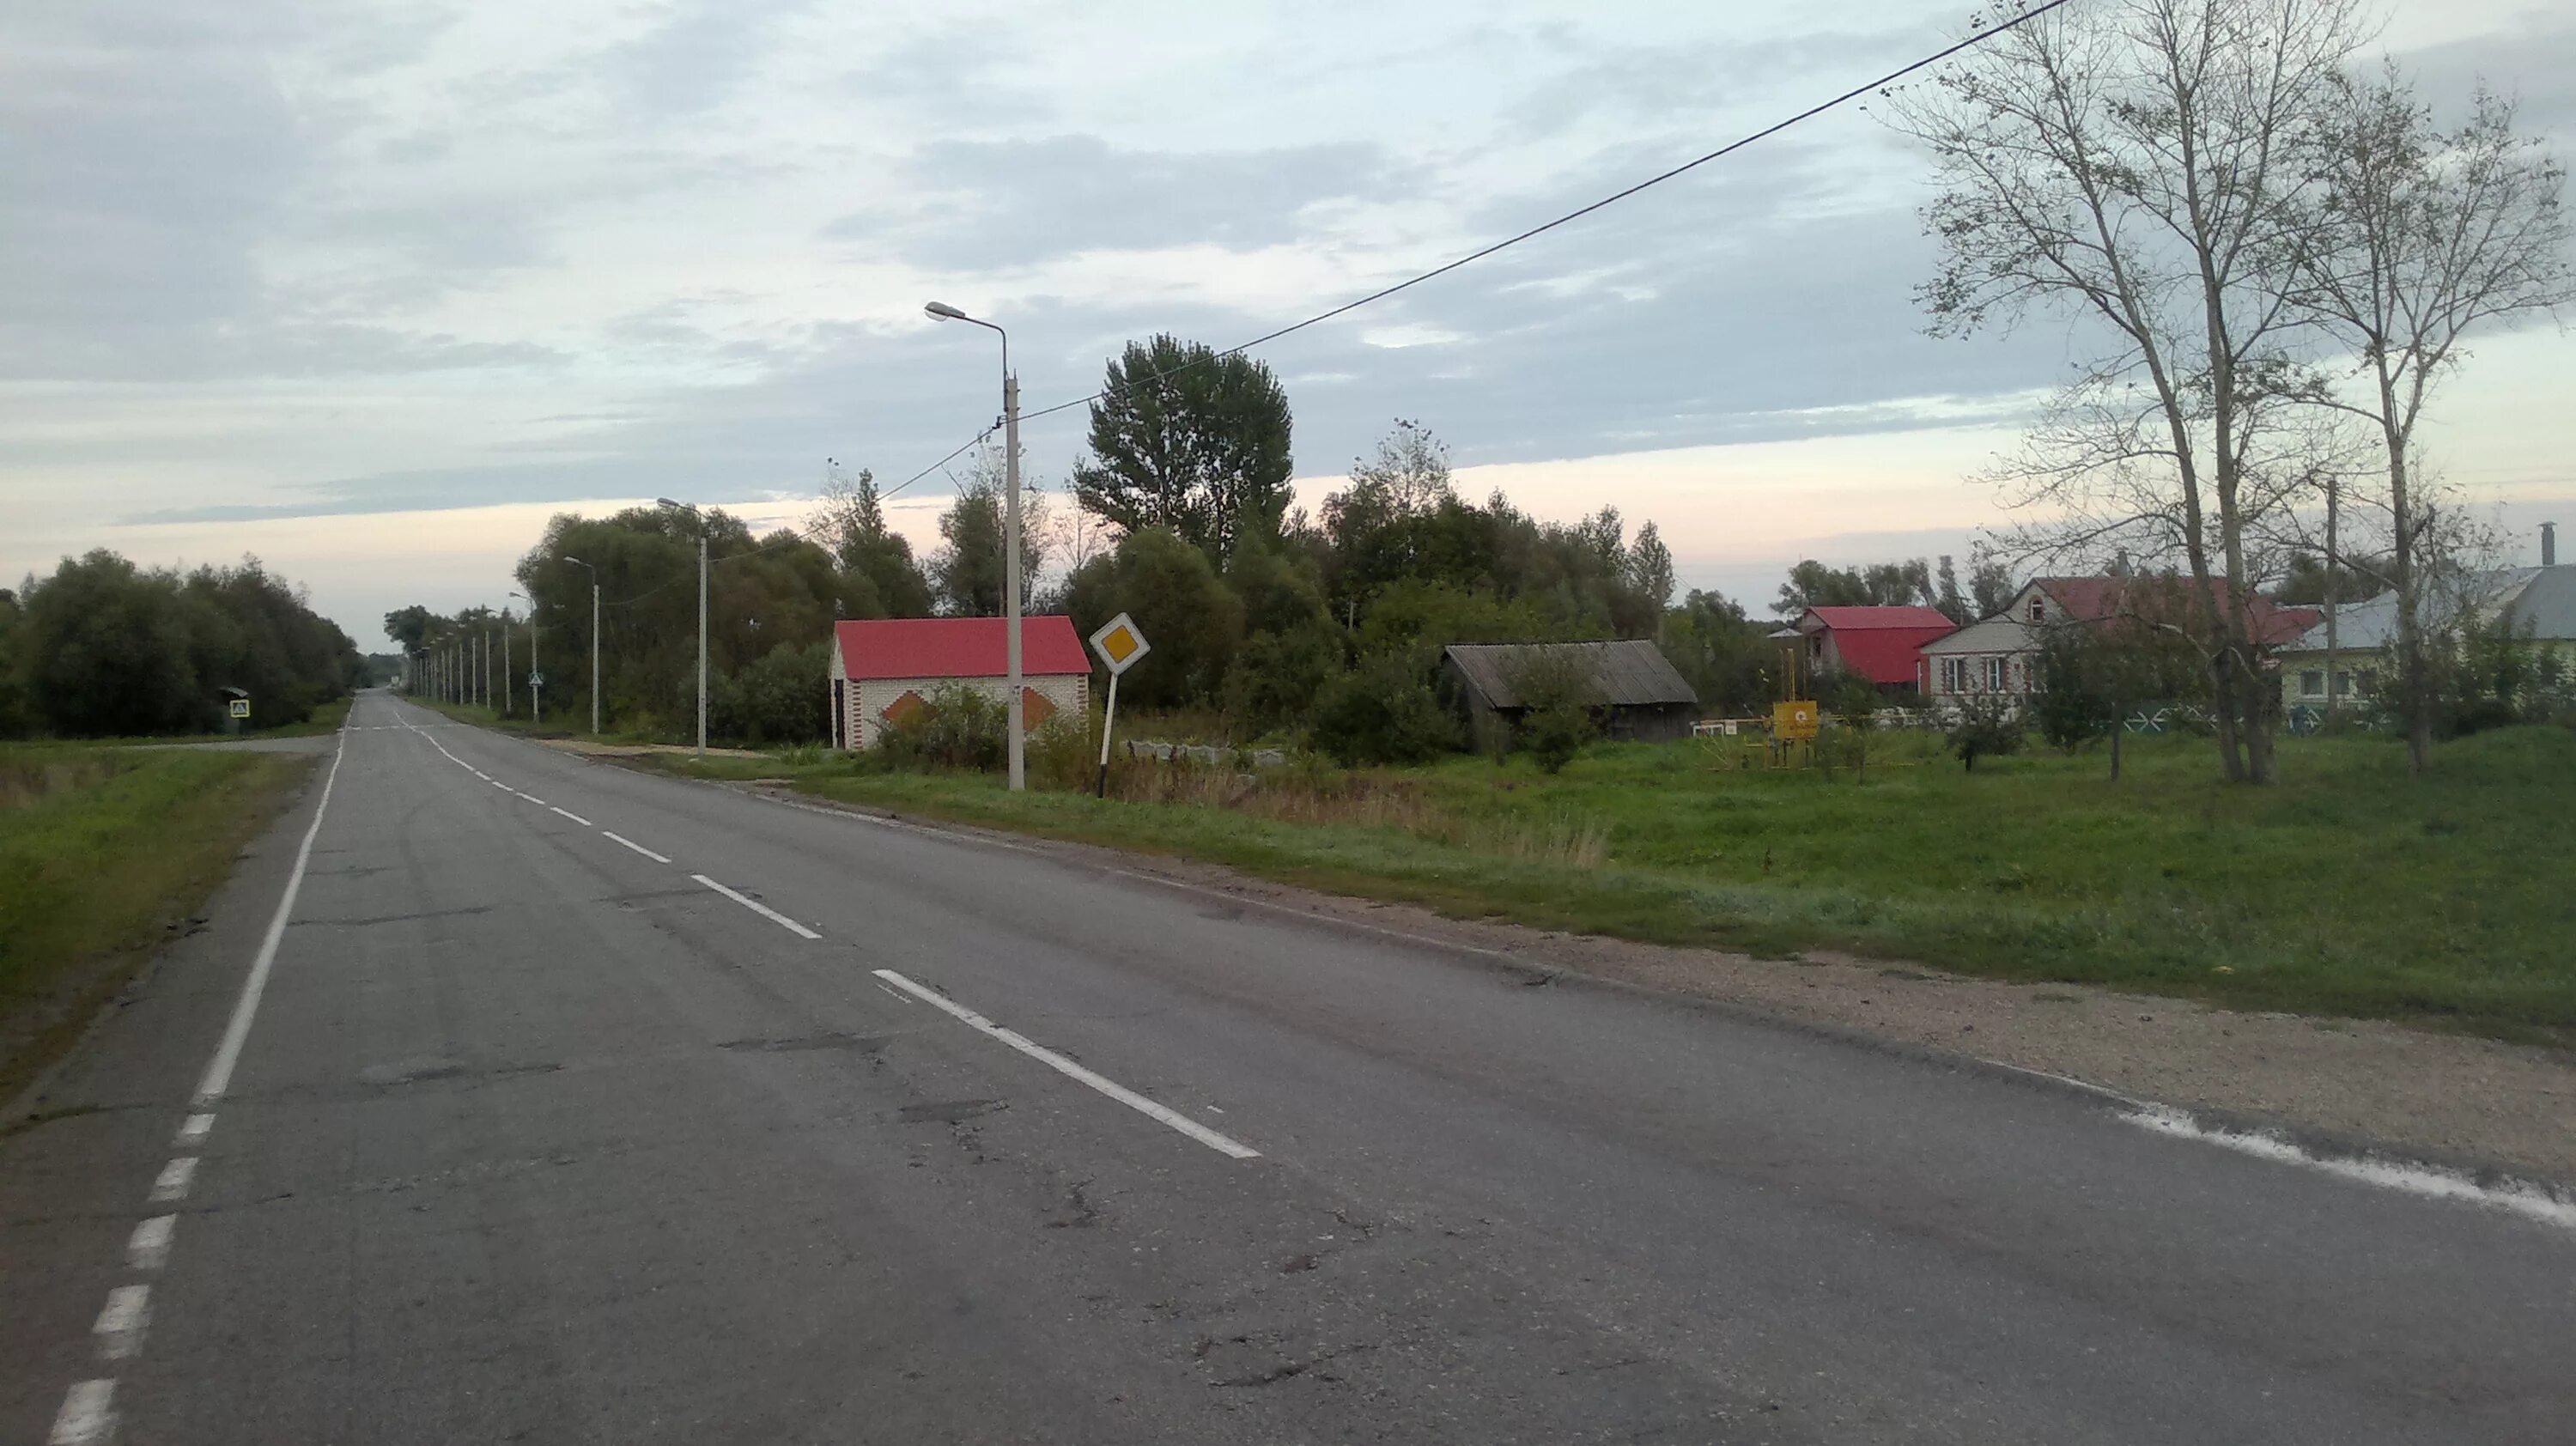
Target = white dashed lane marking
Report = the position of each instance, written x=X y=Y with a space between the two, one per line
x=757 y=907
x=174 y=1180
x=632 y=844
x=120 y=1324
x=577 y=818
x=1220 y=1143
x=88 y=1417
x=192 y=1131
x=148 y=1248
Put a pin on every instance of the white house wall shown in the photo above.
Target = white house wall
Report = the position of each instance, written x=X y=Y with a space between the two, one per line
x=868 y=699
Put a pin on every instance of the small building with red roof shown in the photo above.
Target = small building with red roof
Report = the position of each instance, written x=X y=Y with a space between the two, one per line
x=885 y=670
x=1882 y=644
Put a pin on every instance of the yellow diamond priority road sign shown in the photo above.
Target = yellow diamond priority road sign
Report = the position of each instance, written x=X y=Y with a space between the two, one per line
x=1119 y=644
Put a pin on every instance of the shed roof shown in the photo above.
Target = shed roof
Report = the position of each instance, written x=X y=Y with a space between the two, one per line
x=1625 y=674
x=1881 y=644
x=957 y=648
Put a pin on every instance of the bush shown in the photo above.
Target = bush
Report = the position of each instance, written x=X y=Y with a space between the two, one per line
x=1383 y=712
x=1557 y=694
x=960 y=728
x=1553 y=735
x=782 y=698
x=1987 y=727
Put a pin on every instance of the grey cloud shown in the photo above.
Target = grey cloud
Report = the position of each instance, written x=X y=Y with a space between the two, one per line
x=998 y=203
x=696 y=58
x=2532 y=65
x=1666 y=84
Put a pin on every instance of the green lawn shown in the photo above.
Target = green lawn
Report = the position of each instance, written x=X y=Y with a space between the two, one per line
x=2346 y=890
x=103 y=852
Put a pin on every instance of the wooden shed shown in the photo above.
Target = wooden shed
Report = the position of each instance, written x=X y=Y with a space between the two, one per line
x=1635 y=693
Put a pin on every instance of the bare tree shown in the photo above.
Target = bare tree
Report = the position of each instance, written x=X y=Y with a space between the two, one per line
x=2421 y=236
x=2133 y=163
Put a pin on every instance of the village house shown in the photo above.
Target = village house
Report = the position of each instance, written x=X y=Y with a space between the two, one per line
x=2000 y=654
x=2537 y=604
x=886 y=670
x=1882 y=644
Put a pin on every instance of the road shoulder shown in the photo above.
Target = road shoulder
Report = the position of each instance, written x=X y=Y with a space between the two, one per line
x=2338 y=1087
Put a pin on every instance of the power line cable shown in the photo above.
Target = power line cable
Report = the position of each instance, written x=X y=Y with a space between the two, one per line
x=1981 y=37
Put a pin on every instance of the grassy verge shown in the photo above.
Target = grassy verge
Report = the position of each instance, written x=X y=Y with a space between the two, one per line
x=105 y=853
x=2347 y=890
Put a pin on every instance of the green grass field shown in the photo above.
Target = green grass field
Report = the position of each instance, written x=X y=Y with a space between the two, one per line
x=103 y=852
x=2346 y=890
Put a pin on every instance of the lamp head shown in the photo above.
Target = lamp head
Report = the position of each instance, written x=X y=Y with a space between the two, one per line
x=945 y=312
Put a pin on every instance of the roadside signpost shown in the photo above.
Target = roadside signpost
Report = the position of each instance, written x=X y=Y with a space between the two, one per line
x=1119 y=645
x=537 y=696
x=241 y=707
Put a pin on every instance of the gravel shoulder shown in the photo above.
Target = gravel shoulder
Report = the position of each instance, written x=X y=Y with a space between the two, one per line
x=2350 y=1086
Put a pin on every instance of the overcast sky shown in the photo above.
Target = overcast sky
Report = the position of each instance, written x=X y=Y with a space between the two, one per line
x=369 y=290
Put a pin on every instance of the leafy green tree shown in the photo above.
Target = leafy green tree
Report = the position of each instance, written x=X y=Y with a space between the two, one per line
x=1724 y=655
x=1189 y=441
x=1383 y=711
x=1173 y=592
x=850 y=522
x=966 y=575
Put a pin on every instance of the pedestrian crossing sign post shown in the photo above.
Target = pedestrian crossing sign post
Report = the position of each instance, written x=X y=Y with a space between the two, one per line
x=1119 y=645
x=240 y=707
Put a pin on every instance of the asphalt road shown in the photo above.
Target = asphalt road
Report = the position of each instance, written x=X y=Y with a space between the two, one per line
x=537 y=1137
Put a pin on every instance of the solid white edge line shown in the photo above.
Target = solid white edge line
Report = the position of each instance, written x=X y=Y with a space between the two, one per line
x=175 y=1180
x=577 y=818
x=88 y=1416
x=630 y=843
x=219 y=1071
x=1043 y=1055
x=149 y=1246
x=193 y=1130
x=121 y=1321
x=757 y=907
x=2518 y=1196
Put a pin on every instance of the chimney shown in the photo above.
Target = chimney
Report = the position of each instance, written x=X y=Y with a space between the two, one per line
x=2549 y=544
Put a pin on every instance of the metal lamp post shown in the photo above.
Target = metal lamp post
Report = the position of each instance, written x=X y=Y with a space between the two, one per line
x=594 y=642
x=1010 y=536
x=691 y=508
x=536 y=694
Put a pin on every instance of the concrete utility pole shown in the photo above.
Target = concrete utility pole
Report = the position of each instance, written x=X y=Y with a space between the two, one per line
x=1010 y=539
x=509 y=694
x=594 y=640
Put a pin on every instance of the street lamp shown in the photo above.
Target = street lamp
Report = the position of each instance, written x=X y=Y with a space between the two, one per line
x=594 y=642
x=1010 y=535
x=536 y=691
x=691 y=508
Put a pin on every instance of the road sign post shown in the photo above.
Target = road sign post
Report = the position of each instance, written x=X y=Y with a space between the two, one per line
x=537 y=697
x=1119 y=645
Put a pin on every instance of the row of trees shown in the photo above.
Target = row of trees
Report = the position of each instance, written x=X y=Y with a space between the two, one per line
x=1260 y=614
x=2281 y=253
x=103 y=648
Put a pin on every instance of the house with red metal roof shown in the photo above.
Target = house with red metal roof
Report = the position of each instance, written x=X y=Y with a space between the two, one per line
x=1884 y=645
x=1999 y=654
x=885 y=670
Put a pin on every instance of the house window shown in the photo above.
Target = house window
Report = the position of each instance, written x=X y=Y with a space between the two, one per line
x=1954 y=675
x=2312 y=682
x=1998 y=674
x=2034 y=612
x=2343 y=684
